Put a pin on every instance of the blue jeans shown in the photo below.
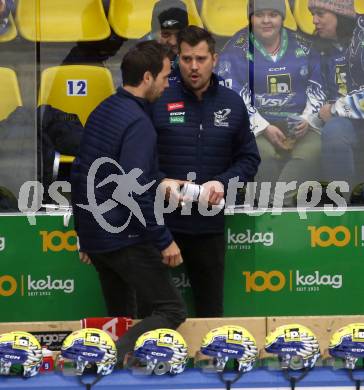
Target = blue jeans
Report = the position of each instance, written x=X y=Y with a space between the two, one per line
x=140 y=268
x=340 y=138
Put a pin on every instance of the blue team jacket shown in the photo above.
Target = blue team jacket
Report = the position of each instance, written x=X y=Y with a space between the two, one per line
x=210 y=137
x=121 y=130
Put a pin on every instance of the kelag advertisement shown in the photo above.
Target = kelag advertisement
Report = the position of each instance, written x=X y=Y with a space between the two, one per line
x=275 y=265
x=283 y=265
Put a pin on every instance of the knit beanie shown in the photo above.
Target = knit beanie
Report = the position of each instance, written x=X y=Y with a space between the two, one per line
x=339 y=7
x=259 y=5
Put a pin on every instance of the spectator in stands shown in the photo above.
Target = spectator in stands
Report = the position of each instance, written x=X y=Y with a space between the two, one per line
x=168 y=19
x=6 y=6
x=334 y=22
x=138 y=255
x=203 y=129
x=280 y=81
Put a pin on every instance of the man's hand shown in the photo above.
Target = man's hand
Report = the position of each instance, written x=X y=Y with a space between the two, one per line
x=84 y=257
x=276 y=137
x=325 y=112
x=172 y=255
x=301 y=129
x=213 y=192
x=171 y=189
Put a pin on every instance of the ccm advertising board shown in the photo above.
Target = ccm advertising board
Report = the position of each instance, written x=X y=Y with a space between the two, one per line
x=284 y=265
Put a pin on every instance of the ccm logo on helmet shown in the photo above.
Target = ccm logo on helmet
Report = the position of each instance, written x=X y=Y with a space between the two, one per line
x=90 y=354
x=13 y=357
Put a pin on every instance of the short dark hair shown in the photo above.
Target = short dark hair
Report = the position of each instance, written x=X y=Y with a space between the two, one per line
x=143 y=57
x=193 y=35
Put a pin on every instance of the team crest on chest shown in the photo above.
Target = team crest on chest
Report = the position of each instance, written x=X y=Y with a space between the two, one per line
x=221 y=117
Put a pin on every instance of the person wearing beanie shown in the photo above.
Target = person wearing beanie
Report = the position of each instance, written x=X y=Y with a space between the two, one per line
x=261 y=5
x=338 y=7
x=279 y=78
x=334 y=25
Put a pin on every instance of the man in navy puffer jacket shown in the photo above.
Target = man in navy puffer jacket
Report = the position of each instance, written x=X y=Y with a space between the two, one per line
x=202 y=128
x=113 y=208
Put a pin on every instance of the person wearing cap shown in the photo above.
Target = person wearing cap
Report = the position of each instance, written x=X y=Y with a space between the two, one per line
x=279 y=78
x=204 y=136
x=168 y=18
x=334 y=22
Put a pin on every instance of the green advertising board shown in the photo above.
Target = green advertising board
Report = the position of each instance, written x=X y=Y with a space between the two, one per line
x=281 y=265
x=276 y=265
x=41 y=276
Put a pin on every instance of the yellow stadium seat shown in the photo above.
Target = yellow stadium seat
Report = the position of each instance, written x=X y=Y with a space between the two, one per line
x=132 y=18
x=62 y=20
x=223 y=17
x=359 y=6
x=226 y=17
x=75 y=89
x=11 y=32
x=289 y=21
x=9 y=92
x=304 y=17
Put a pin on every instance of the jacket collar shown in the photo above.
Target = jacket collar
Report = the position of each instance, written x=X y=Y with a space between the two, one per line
x=214 y=83
x=143 y=103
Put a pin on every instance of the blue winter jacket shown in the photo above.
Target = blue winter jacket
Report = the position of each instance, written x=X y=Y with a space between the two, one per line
x=121 y=130
x=210 y=137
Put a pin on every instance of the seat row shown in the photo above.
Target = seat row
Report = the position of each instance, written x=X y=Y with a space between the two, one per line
x=85 y=20
x=74 y=89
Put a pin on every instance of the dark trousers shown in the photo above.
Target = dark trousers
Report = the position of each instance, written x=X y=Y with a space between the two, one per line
x=139 y=268
x=203 y=257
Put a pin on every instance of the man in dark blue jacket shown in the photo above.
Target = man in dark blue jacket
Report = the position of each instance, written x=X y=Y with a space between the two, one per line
x=112 y=203
x=202 y=128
